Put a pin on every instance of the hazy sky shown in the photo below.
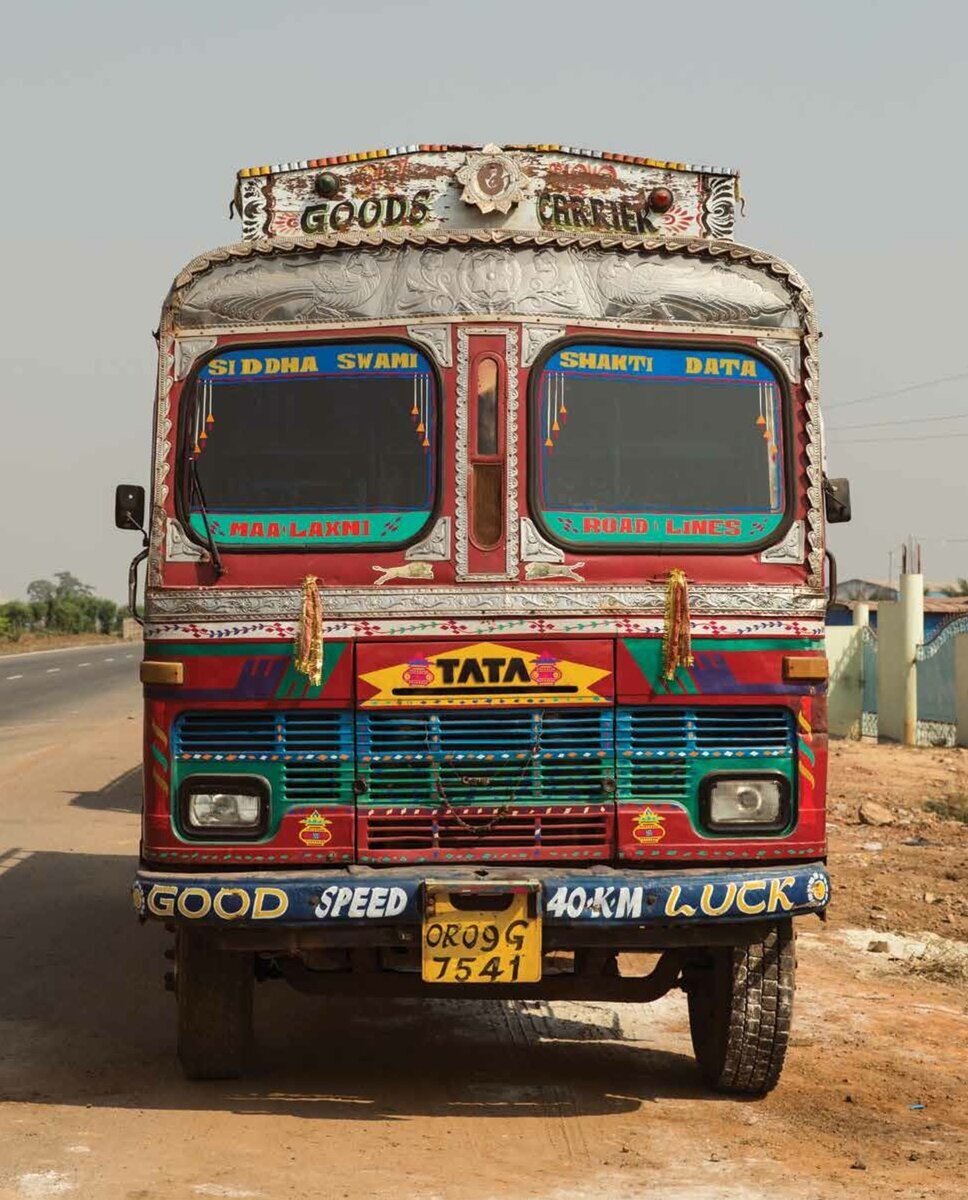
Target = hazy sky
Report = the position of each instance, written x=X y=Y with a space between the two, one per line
x=124 y=124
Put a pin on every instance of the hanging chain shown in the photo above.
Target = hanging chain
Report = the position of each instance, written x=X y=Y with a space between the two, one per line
x=501 y=811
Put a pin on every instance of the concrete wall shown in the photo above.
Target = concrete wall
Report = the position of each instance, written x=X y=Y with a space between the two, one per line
x=845 y=696
x=900 y=630
x=890 y=672
x=961 y=687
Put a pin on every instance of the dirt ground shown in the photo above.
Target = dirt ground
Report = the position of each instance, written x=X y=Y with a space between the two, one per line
x=483 y=1100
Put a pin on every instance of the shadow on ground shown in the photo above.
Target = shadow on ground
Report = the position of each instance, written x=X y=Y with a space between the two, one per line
x=86 y=1021
x=120 y=795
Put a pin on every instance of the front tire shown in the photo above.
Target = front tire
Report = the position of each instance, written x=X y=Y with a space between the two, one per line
x=214 y=988
x=740 y=1010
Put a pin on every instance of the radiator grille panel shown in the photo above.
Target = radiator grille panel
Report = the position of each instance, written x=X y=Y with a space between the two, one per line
x=662 y=753
x=497 y=758
x=313 y=747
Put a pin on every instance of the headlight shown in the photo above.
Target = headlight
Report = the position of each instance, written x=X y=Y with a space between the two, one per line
x=754 y=803
x=226 y=807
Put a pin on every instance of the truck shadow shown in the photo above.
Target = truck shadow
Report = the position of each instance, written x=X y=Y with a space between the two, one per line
x=86 y=1022
x=122 y=794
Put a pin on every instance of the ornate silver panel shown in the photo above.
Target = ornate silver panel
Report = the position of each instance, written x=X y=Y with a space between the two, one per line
x=179 y=547
x=435 y=547
x=510 y=335
x=187 y=350
x=552 y=600
x=437 y=339
x=787 y=352
x=790 y=550
x=534 y=548
x=719 y=205
x=578 y=281
x=534 y=338
x=252 y=203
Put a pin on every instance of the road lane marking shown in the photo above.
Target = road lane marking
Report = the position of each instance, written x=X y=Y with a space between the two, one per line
x=107 y=660
x=87 y=664
x=129 y=656
x=15 y=677
x=52 y=670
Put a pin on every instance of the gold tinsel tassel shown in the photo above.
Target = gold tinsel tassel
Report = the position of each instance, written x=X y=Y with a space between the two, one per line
x=308 y=649
x=676 y=640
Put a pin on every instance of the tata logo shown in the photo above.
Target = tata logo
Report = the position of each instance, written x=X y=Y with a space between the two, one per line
x=488 y=673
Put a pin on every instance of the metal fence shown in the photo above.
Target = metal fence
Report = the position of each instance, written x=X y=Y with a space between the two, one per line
x=937 y=706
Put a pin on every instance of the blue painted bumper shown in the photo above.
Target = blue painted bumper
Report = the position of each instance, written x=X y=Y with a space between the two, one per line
x=600 y=896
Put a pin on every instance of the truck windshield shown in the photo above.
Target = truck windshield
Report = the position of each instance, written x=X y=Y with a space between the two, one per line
x=317 y=446
x=641 y=445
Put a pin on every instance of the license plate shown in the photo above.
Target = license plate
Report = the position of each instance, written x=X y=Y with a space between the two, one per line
x=481 y=933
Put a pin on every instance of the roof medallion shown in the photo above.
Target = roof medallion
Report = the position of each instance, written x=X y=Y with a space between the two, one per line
x=492 y=180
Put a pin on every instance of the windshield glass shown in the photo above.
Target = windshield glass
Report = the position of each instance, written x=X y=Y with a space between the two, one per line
x=314 y=446
x=646 y=445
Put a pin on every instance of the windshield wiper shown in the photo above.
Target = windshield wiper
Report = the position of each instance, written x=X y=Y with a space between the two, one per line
x=200 y=496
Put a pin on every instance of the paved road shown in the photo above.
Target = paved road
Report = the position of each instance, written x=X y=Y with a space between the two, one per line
x=51 y=680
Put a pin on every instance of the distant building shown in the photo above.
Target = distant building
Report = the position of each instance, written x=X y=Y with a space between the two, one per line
x=938 y=608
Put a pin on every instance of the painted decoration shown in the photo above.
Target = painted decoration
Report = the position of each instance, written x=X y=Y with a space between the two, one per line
x=610 y=421
x=488 y=674
x=522 y=188
x=314 y=391
x=659 y=897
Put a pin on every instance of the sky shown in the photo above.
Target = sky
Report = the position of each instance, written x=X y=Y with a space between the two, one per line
x=124 y=125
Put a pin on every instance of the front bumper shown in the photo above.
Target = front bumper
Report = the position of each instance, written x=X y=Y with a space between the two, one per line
x=601 y=896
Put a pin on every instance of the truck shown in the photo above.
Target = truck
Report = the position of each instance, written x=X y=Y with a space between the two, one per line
x=484 y=601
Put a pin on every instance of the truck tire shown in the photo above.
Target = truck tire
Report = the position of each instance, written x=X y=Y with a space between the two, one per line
x=740 y=1008
x=214 y=992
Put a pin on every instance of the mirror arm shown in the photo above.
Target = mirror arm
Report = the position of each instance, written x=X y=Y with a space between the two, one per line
x=831 y=578
x=133 y=582
x=133 y=524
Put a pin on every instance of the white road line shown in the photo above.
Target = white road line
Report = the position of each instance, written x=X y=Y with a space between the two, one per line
x=87 y=664
x=107 y=660
x=15 y=677
x=129 y=656
x=52 y=670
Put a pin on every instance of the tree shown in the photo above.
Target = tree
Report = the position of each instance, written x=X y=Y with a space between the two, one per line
x=960 y=588
x=41 y=591
x=69 y=587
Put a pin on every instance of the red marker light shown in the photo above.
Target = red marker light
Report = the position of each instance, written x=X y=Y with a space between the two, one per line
x=660 y=199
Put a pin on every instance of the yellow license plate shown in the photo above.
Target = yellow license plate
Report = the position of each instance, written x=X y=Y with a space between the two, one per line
x=488 y=933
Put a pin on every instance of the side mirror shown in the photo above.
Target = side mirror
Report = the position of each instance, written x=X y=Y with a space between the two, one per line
x=129 y=506
x=836 y=500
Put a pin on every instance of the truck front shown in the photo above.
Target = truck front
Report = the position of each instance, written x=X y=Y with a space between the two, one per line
x=483 y=648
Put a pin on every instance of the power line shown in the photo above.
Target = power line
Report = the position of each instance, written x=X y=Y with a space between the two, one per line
x=912 y=387
x=904 y=421
x=926 y=437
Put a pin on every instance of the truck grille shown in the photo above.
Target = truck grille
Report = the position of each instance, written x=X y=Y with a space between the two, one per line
x=466 y=828
x=495 y=758
x=663 y=751
x=519 y=783
x=313 y=747
x=535 y=781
